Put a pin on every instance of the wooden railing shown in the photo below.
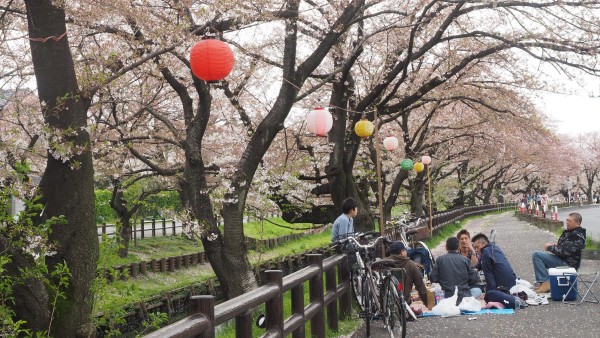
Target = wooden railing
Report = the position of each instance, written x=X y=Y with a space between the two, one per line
x=443 y=218
x=205 y=316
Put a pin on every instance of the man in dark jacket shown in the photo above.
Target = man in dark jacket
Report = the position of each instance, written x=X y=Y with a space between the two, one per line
x=566 y=252
x=496 y=268
x=398 y=253
x=455 y=270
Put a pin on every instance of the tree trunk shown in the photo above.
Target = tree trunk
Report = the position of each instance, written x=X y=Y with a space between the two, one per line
x=124 y=235
x=68 y=181
x=417 y=189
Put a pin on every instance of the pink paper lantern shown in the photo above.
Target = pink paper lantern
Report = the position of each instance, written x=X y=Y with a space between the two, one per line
x=319 y=121
x=426 y=159
x=390 y=143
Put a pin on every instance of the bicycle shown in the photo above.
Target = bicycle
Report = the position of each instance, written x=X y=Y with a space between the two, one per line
x=404 y=229
x=393 y=305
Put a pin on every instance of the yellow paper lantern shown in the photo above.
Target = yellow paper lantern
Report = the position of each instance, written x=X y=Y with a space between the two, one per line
x=419 y=166
x=364 y=128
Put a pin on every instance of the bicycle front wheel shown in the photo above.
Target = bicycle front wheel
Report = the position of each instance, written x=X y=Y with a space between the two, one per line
x=357 y=287
x=395 y=312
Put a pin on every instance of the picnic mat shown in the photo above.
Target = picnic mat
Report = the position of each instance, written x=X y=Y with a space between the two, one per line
x=481 y=312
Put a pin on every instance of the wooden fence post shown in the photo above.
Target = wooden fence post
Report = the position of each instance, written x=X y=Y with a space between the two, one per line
x=143 y=267
x=346 y=299
x=317 y=323
x=274 y=306
x=206 y=306
x=153 y=227
x=164 y=226
x=142 y=228
x=163 y=265
x=134 y=270
x=298 y=307
x=243 y=325
x=332 y=308
x=173 y=226
x=104 y=228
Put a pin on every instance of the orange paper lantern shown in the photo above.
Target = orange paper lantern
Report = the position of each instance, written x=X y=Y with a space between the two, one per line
x=211 y=60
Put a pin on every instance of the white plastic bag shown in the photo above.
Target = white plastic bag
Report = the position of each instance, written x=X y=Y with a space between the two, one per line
x=447 y=306
x=522 y=288
x=469 y=304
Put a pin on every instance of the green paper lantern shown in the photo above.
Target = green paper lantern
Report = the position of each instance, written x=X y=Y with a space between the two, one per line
x=406 y=164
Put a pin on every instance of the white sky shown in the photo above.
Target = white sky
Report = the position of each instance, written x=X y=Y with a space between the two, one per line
x=573 y=114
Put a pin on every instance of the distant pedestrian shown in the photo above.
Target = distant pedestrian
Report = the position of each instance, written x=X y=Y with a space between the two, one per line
x=344 y=224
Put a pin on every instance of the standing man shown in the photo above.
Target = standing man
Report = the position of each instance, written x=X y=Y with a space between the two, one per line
x=454 y=270
x=343 y=225
x=494 y=264
x=566 y=252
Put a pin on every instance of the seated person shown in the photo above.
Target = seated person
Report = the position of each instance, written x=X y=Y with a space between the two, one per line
x=454 y=270
x=567 y=252
x=492 y=261
x=398 y=253
x=343 y=225
x=466 y=248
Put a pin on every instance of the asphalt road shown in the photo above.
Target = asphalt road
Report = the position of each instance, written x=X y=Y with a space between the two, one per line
x=589 y=214
x=518 y=240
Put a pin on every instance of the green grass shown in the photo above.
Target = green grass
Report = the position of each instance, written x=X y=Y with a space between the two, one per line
x=591 y=244
x=147 y=249
x=169 y=246
x=269 y=228
x=122 y=293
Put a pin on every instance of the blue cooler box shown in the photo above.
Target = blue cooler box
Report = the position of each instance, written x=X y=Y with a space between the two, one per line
x=560 y=283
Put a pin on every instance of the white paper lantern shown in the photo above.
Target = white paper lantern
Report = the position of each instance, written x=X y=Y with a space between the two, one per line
x=390 y=143
x=319 y=121
x=426 y=159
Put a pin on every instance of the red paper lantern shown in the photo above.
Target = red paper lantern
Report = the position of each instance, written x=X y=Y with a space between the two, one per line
x=319 y=121
x=211 y=60
x=390 y=143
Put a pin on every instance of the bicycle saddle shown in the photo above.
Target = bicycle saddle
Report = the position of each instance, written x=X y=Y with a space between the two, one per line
x=383 y=263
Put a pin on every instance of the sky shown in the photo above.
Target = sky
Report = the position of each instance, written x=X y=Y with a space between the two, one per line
x=573 y=114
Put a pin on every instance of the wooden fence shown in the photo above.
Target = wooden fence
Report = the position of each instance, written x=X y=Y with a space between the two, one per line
x=205 y=316
x=443 y=218
x=177 y=301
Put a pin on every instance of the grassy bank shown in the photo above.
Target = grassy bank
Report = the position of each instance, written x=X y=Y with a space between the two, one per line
x=122 y=293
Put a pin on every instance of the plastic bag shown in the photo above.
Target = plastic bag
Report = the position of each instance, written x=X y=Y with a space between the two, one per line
x=447 y=306
x=522 y=288
x=469 y=304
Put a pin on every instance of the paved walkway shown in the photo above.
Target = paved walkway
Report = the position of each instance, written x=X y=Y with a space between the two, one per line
x=518 y=240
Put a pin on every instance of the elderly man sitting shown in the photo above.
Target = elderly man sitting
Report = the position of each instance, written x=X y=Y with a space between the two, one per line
x=567 y=252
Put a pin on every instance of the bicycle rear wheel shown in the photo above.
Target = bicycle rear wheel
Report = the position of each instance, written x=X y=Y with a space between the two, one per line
x=395 y=312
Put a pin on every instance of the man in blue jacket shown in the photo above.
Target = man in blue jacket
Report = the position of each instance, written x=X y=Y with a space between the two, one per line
x=567 y=252
x=496 y=268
